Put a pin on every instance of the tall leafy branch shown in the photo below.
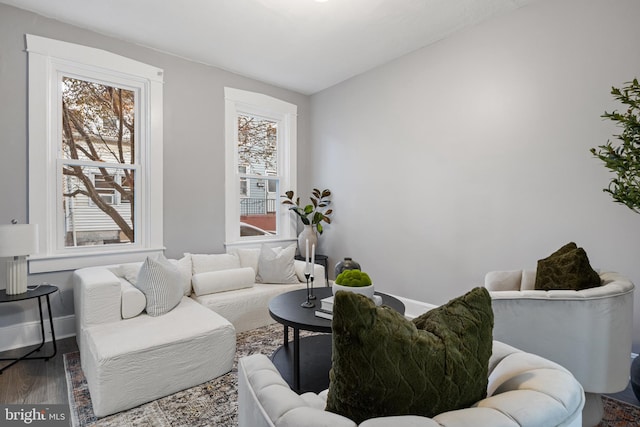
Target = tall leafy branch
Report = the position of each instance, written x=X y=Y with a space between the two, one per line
x=622 y=156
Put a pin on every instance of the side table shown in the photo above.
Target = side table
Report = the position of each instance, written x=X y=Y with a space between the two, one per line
x=38 y=292
x=322 y=260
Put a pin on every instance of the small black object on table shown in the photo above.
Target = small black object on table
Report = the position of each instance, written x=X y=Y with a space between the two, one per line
x=311 y=355
x=38 y=292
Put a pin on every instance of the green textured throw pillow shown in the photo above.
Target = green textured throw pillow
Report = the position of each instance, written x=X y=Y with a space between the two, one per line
x=567 y=268
x=385 y=365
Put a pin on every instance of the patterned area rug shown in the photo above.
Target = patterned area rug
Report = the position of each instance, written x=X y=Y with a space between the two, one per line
x=214 y=403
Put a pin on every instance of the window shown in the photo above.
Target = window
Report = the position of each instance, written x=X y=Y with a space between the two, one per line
x=95 y=155
x=260 y=165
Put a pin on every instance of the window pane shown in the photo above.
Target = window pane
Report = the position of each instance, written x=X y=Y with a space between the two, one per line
x=97 y=122
x=258 y=210
x=258 y=144
x=97 y=206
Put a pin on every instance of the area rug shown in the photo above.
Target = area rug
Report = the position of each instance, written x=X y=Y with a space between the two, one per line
x=214 y=403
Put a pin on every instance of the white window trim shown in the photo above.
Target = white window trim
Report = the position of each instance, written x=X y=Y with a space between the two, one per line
x=237 y=101
x=47 y=58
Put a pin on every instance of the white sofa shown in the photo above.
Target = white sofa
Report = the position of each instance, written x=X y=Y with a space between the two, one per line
x=524 y=390
x=587 y=331
x=130 y=358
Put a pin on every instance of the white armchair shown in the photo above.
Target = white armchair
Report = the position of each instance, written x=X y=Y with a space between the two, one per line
x=523 y=390
x=587 y=331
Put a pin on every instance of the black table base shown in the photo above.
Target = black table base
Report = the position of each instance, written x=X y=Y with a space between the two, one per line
x=315 y=362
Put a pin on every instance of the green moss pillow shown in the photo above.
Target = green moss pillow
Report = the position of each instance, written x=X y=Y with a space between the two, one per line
x=566 y=268
x=384 y=365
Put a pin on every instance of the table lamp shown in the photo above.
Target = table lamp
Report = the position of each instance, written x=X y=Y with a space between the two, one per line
x=17 y=241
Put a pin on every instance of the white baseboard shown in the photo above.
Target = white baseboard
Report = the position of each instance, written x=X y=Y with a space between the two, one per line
x=28 y=333
x=414 y=308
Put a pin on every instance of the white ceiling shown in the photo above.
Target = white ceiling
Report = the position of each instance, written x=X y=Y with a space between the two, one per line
x=302 y=45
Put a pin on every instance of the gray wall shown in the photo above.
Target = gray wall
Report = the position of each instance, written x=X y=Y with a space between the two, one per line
x=472 y=154
x=467 y=156
x=193 y=142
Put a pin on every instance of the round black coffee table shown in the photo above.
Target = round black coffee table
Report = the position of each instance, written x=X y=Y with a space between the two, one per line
x=311 y=355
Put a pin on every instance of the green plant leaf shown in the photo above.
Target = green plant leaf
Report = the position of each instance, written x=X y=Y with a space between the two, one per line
x=622 y=157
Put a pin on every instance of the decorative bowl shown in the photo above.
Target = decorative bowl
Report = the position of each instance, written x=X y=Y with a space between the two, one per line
x=364 y=290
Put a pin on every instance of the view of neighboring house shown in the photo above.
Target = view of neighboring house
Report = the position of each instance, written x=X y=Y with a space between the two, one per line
x=257 y=166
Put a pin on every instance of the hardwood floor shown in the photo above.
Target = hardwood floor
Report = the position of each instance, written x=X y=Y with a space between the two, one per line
x=36 y=381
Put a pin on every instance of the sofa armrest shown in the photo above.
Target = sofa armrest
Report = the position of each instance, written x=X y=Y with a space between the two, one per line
x=96 y=296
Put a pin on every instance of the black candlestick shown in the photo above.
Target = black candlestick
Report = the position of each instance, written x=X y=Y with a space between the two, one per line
x=311 y=295
x=307 y=303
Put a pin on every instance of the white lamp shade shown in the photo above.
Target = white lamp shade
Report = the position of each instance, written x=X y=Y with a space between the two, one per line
x=18 y=239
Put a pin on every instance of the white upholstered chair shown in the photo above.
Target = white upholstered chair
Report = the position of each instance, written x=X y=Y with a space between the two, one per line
x=523 y=390
x=587 y=331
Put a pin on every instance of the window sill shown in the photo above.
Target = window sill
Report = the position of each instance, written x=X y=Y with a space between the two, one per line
x=50 y=263
x=256 y=243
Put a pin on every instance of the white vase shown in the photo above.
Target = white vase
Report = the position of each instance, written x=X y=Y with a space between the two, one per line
x=307 y=233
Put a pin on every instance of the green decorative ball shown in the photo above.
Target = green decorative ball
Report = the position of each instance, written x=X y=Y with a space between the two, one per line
x=354 y=278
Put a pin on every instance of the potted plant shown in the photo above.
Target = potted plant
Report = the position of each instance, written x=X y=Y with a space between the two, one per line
x=623 y=156
x=312 y=215
x=354 y=281
x=623 y=159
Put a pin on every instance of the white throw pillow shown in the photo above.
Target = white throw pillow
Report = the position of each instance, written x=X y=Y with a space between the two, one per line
x=129 y=271
x=214 y=262
x=133 y=300
x=503 y=280
x=185 y=268
x=223 y=280
x=277 y=267
x=161 y=284
x=248 y=257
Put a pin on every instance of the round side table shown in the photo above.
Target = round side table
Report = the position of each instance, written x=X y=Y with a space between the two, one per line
x=38 y=292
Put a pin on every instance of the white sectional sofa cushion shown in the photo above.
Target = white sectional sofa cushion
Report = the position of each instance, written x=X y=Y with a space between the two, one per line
x=212 y=282
x=145 y=358
x=213 y=262
x=133 y=300
x=246 y=308
x=248 y=257
x=277 y=265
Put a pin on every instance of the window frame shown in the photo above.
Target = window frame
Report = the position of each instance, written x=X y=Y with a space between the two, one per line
x=49 y=61
x=244 y=102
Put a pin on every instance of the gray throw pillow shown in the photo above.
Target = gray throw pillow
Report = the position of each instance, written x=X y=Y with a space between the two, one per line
x=277 y=267
x=161 y=283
